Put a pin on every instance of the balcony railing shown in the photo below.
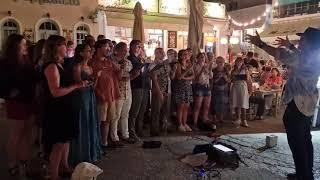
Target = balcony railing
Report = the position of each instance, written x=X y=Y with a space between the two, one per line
x=297 y=9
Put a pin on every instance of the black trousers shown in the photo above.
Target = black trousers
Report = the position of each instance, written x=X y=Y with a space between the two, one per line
x=261 y=103
x=299 y=138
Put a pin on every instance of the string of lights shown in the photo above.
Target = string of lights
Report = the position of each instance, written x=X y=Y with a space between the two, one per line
x=252 y=21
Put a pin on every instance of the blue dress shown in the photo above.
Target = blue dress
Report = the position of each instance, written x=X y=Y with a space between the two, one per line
x=87 y=147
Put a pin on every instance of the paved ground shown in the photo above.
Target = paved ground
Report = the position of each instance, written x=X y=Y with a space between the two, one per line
x=132 y=162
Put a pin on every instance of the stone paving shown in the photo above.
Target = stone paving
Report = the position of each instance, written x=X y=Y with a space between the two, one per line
x=132 y=162
x=164 y=163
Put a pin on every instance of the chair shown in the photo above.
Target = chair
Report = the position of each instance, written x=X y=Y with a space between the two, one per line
x=251 y=112
x=277 y=101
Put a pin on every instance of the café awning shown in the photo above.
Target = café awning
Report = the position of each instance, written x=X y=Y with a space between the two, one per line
x=246 y=15
x=165 y=22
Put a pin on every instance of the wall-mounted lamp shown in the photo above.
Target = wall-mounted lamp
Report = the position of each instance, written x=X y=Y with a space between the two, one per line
x=9 y=13
x=48 y=15
x=82 y=18
x=28 y=30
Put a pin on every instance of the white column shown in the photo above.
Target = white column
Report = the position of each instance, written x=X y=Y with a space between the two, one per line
x=102 y=23
x=222 y=49
x=165 y=40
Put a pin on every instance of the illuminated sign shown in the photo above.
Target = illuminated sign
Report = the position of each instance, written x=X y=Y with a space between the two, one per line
x=64 y=2
x=174 y=7
x=172 y=39
x=149 y=5
x=216 y=10
x=178 y=7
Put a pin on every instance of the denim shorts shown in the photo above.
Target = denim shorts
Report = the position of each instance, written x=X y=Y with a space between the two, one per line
x=202 y=90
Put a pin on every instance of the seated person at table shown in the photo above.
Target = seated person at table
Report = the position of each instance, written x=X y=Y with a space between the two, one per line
x=262 y=63
x=260 y=101
x=271 y=63
x=274 y=82
x=266 y=73
x=284 y=72
x=250 y=60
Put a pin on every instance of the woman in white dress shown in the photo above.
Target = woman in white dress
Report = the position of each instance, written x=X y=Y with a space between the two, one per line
x=240 y=90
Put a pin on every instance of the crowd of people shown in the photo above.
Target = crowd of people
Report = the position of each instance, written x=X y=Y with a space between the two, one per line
x=97 y=96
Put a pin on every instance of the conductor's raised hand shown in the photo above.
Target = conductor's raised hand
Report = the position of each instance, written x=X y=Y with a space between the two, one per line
x=280 y=42
x=256 y=40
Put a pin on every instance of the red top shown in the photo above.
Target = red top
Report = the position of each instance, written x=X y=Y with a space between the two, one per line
x=107 y=87
x=271 y=81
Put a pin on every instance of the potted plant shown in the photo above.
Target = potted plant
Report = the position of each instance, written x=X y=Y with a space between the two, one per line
x=94 y=15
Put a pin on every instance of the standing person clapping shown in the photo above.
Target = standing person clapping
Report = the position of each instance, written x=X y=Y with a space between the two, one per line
x=107 y=88
x=240 y=89
x=202 y=91
x=184 y=96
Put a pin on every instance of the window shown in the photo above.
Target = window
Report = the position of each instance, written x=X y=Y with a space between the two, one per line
x=291 y=9
x=122 y=34
x=81 y=33
x=313 y=6
x=298 y=8
x=48 y=28
x=9 y=27
x=305 y=7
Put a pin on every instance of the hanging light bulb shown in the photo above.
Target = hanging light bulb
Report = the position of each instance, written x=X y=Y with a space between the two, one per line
x=224 y=41
x=234 y=40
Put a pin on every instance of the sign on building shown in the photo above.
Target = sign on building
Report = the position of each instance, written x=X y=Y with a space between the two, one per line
x=148 y=5
x=64 y=2
x=172 y=39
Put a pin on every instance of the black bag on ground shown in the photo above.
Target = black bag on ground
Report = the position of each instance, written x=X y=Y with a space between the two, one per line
x=151 y=144
x=223 y=154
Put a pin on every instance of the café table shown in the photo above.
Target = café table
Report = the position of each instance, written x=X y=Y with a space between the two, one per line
x=267 y=92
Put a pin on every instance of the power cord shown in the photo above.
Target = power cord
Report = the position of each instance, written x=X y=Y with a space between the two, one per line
x=206 y=170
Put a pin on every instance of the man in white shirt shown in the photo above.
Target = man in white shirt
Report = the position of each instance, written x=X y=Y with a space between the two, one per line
x=300 y=94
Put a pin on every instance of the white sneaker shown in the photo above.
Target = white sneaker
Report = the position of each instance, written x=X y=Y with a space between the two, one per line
x=181 y=128
x=236 y=122
x=188 y=129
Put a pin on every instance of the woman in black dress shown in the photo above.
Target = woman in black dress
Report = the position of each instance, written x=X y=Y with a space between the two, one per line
x=61 y=119
x=18 y=79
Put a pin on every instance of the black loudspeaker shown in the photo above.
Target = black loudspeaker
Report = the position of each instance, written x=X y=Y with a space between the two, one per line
x=223 y=154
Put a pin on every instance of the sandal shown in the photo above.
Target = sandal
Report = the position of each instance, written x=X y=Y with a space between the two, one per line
x=244 y=124
x=13 y=171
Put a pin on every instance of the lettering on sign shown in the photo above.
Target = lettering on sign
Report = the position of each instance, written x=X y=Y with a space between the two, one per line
x=64 y=2
x=148 y=5
x=172 y=39
x=180 y=7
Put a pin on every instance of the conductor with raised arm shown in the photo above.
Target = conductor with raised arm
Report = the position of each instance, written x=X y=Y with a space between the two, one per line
x=300 y=94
